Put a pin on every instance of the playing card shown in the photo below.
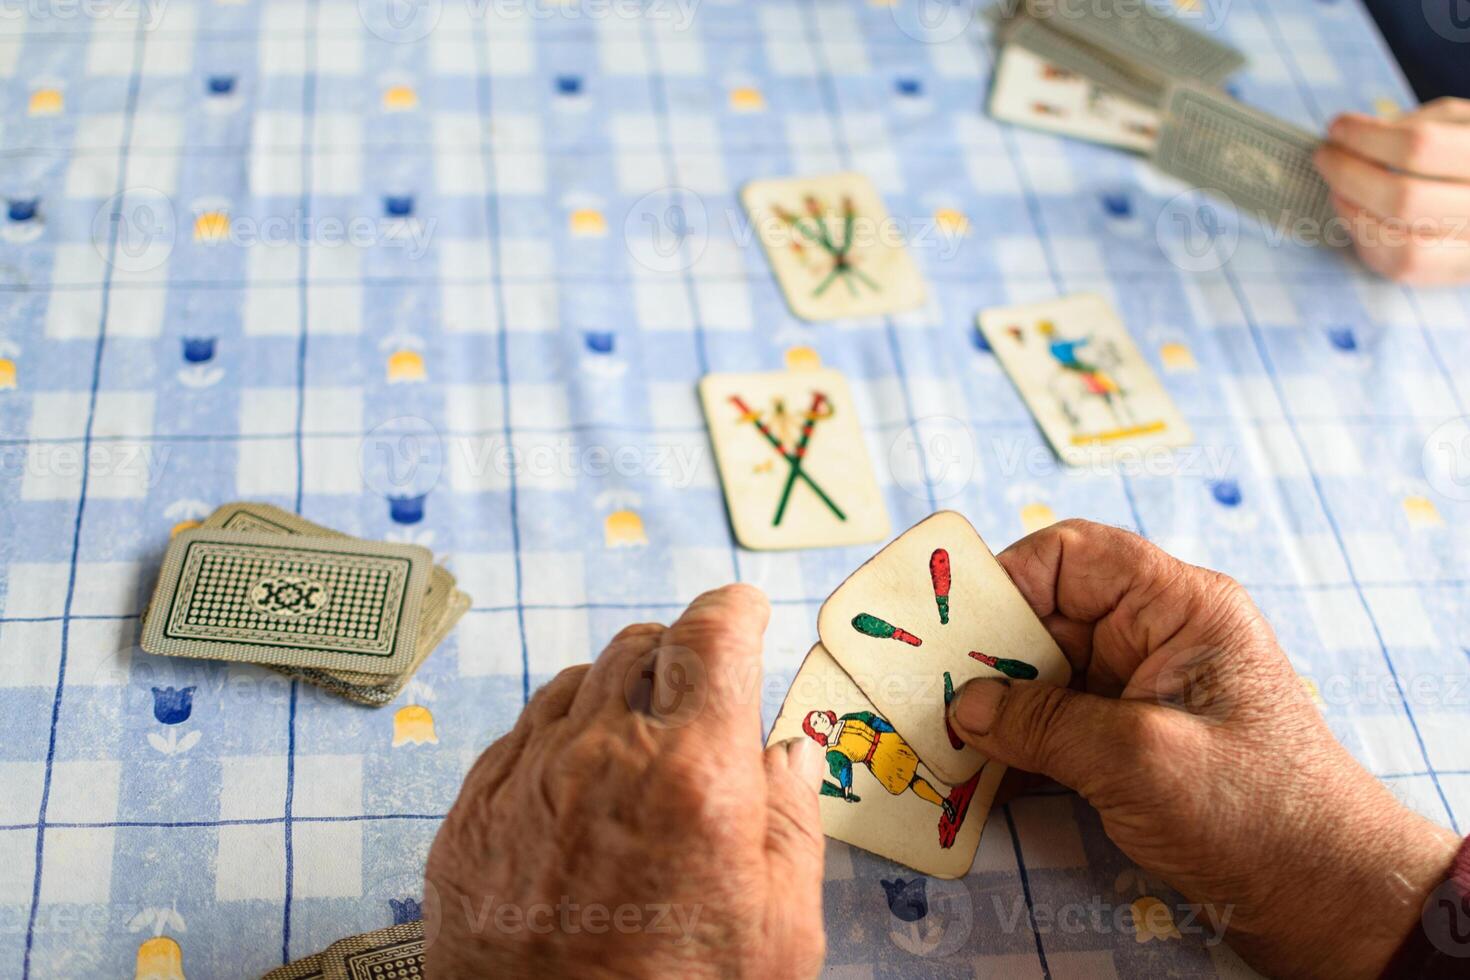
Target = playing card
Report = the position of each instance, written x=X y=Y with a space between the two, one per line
x=876 y=793
x=1258 y=162
x=833 y=246
x=1067 y=53
x=329 y=603
x=928 y=613
x=397 y=951
x=793 y=459
x=306 y=968
x=1083 y=378
x=1032 y=92
x=1152 y=42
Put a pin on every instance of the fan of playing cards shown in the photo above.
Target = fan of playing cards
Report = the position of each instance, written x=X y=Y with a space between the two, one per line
x=1121 y=73
x=260 y=585
x=925 y=615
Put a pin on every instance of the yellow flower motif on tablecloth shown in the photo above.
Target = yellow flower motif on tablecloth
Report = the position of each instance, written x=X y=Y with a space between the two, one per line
x=1386 y=108
x=46 y=101
x=1313 y=691
x=747 y=98
x=883 y=3
x=801 y=358
x=952 y=222
x=400 y=98
x=406 y=366
x=1421 y=512
x=1153 y=920
x=7 y=373
x=211 y=226
x=1036 y=515
x=1177 y=357
x=588 y=222
x=159 y=958
x=413 y=723
x=1187 y=5
x=623 y=529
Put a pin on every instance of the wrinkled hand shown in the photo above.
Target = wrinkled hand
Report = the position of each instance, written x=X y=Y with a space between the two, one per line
x=1403 y=188
x=1188 y=730
x=630 y=824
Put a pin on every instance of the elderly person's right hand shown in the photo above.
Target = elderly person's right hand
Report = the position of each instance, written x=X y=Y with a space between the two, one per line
x=1201 y=749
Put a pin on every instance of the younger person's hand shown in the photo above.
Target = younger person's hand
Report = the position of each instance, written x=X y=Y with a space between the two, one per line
x=1403 y=188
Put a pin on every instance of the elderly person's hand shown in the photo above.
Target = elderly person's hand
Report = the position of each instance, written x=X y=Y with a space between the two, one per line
x=1188 y=730
x=631 y=825
x=1403 y=188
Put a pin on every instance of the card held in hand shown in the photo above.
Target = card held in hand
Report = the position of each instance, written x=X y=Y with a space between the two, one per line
x=327 y=603
x=876 y=793
x=1256 y=161
x=928 y=613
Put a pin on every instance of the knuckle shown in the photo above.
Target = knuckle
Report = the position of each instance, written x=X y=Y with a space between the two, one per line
x=1406 y=197
x=635 y=632
x=1421 y=144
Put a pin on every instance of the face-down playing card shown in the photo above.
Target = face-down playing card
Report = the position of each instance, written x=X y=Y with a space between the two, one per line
x=928 y=613
x=876 y=794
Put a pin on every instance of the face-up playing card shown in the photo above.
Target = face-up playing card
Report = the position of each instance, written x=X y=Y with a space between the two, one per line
x=876 y=793
x=793 y=459
x=1084 y=379
x=928 y=613
x=833 y=246
x=326 y=603
x=1032 y=92
x=1258 y=162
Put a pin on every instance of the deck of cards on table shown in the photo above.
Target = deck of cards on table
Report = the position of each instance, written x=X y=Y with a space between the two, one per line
x=260 y=585
x=1132 y=76
x=833 y=246
x=930 y=612
x=394 y=952
x=1085 y=381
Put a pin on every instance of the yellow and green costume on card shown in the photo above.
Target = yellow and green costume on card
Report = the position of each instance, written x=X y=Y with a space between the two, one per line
x=868 y=740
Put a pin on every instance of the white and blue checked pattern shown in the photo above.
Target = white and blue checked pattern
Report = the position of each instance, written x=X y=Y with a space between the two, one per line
x=254 y=820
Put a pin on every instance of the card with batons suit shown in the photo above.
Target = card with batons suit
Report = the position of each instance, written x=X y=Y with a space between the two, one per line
x=833 y=246
x=1032 y=92
x=928 y=613
x=324 y=603
x=793 y=459
x=876 y=793
x=1085 y=381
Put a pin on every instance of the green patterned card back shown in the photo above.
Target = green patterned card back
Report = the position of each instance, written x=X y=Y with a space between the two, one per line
x=327 y=603
x=395 y=952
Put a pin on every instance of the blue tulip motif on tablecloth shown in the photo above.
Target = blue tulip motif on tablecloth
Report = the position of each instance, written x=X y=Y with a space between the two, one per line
x=172 y=706
x=1226 y=493
x=405 y=910
x=908 y=901
x=197 y=372
x=407 y=510
x=1343 y=339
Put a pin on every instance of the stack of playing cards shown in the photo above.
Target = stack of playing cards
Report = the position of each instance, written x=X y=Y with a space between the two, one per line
x=1122 y=73
x=907 y=630
x=397 y=951
x=258 y=584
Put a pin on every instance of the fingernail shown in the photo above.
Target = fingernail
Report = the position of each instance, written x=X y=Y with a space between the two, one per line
x=974 y=709
x=805 y=760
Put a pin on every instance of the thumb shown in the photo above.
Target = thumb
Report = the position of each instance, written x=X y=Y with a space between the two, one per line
x=794 y=848
x=1078 y=739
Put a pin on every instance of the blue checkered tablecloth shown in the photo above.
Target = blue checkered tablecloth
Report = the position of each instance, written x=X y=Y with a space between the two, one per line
x=447 y=272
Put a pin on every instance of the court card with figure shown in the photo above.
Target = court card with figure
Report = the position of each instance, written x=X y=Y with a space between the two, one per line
x=919 y=619
x=326 y=603
x=1085 y=381
x=793 y=459
x=833 y=246
x=1257 y=162
x=876 y=793
x=1029 y=91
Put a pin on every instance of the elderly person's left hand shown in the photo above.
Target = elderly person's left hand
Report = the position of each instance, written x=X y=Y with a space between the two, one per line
x=1403 y=187
x=630 y=824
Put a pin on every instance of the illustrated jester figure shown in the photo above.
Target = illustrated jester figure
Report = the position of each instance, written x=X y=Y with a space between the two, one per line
x=1095 y=381
x=863 y=738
